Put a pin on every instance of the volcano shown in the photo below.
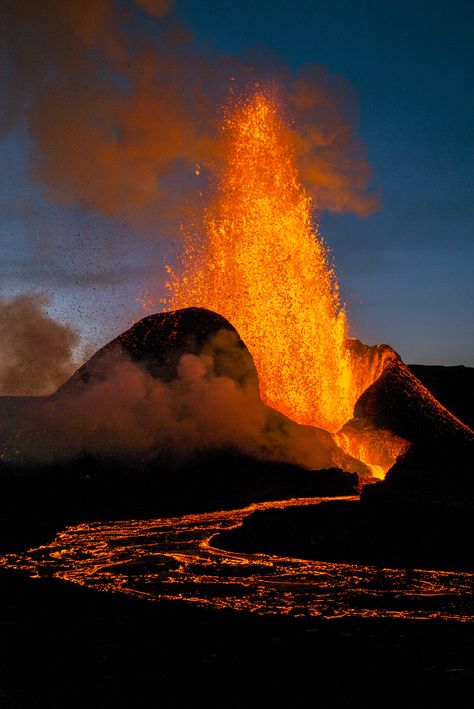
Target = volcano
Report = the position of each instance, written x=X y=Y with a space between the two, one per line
x=395 y=413
x=192 y=360
x=167 y=416
x=187 y=353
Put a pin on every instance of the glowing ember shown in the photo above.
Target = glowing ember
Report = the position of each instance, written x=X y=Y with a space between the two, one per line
x=262 y=266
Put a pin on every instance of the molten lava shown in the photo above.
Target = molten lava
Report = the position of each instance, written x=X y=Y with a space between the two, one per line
x=260 y=262
x=262 y=266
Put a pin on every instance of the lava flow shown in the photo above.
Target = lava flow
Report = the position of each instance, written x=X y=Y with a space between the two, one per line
x=175 y=559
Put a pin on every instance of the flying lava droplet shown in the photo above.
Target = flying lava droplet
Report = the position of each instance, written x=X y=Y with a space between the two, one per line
x=260 y=262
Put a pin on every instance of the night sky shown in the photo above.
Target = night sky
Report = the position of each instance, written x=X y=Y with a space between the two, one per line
x=405 y=271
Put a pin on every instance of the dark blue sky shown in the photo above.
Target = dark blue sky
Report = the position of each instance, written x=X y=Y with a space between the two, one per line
x=412 y=68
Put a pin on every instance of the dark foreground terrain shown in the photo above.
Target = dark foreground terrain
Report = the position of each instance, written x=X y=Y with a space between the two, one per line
x=65 y=646
x=400 y=533
x=35 y=503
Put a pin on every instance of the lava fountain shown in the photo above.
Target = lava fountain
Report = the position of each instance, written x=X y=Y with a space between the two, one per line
x=260 y=262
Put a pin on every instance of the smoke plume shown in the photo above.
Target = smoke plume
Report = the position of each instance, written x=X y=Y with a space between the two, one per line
x=212 y=403
x=121 y=103
x=36 y=352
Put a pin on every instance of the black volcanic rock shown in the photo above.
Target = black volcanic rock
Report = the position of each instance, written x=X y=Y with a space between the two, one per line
x=67 y=647
x=158 y=341
x=391 y=533
x=453 y=387
x=440 y=458
x=398 y=401
x=38 y=500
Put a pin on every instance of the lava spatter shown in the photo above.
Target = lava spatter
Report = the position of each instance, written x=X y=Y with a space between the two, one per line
x=260 y=262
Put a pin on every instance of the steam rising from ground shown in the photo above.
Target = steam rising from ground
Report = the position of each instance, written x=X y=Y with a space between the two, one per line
x=212 y=403
x=36 y=351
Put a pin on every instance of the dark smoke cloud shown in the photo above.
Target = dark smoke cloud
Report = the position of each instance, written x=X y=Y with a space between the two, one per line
x=114 y=114
x=36 y=352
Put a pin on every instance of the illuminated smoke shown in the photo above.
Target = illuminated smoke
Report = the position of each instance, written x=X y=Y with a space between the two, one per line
x=36 y=351
x=119 y=119
x=212 y=403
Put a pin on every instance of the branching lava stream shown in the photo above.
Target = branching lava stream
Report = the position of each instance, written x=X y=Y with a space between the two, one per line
x=173 y=558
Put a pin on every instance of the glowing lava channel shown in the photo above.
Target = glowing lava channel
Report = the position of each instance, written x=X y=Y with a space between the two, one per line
x=260 y=262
